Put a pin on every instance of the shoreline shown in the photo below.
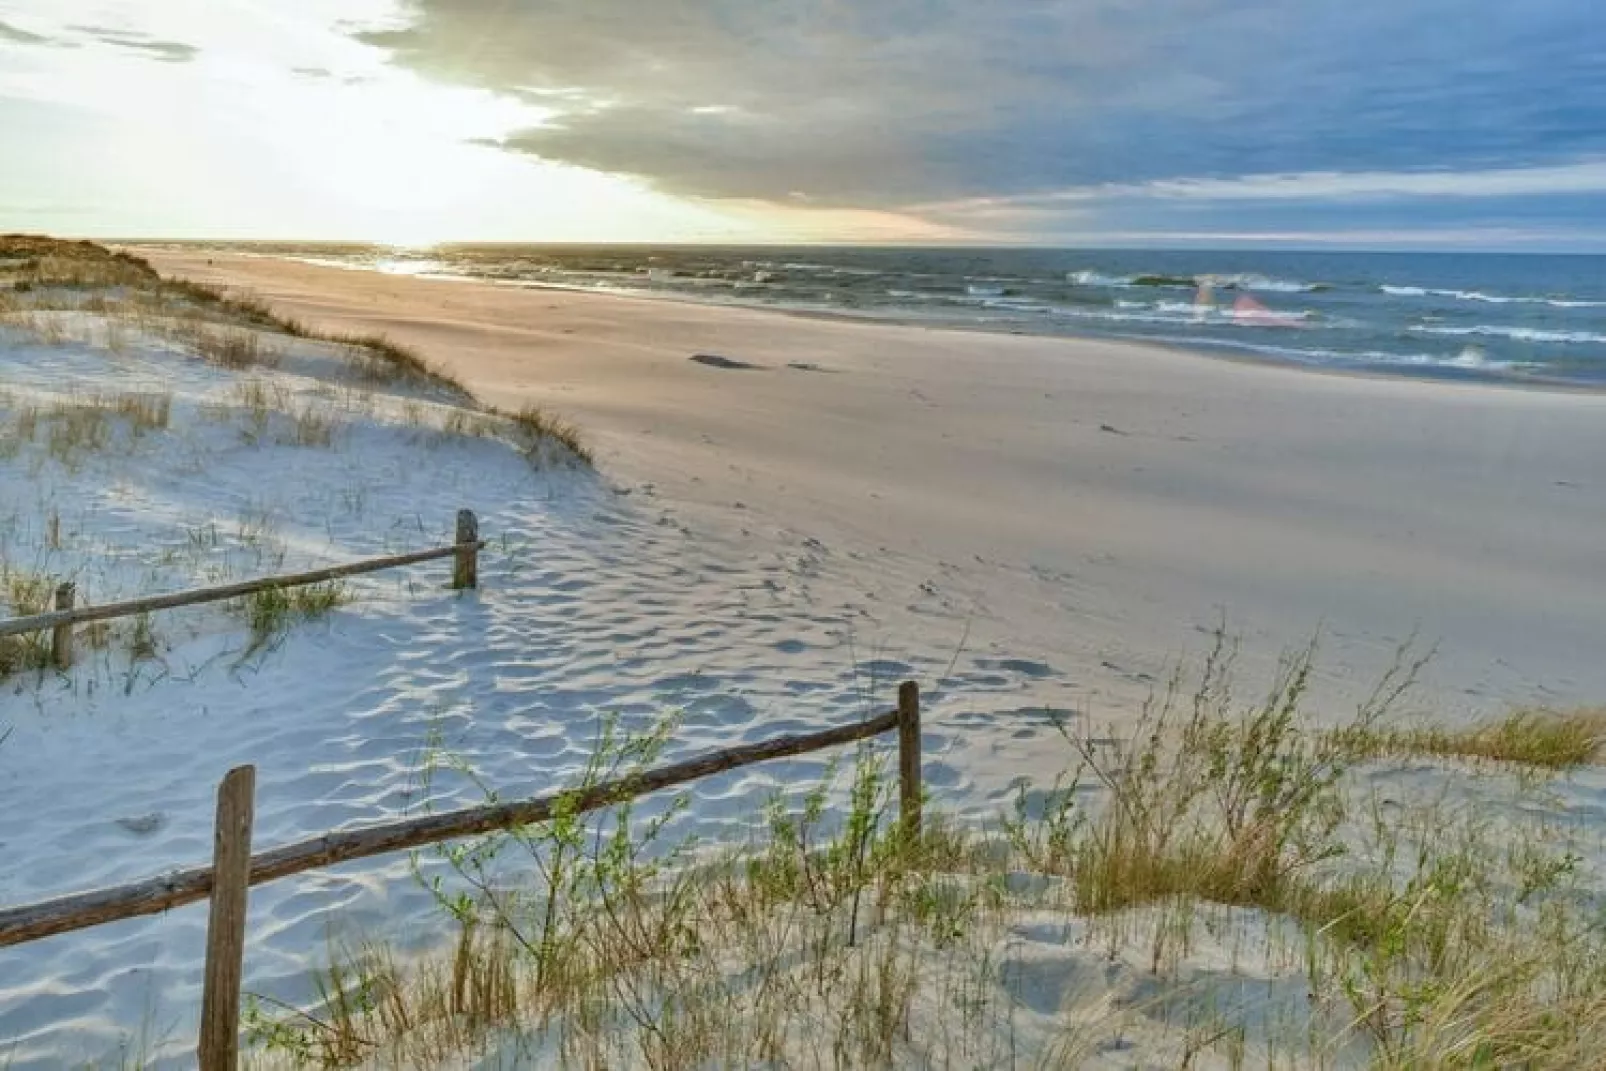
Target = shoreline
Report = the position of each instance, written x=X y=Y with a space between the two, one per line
x=1093 y=504
x=1230 y=352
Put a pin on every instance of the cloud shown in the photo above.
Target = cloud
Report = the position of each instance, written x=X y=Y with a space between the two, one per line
x=165 y=51
x=888 y=103
x=1586 y=177
x=21 y=37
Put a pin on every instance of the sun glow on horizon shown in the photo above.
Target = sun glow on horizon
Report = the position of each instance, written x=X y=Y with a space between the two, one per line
x=282 y=127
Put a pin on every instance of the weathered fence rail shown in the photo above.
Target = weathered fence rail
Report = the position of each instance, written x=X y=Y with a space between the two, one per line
x=60 y=622
x=234 y=869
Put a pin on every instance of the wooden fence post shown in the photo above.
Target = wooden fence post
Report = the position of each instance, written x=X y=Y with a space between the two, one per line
x=466 y=571
x=61 y=635
x=909 y=757
x=219 y=1046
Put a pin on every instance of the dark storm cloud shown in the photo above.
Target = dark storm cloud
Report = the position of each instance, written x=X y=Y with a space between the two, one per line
x=894 y=102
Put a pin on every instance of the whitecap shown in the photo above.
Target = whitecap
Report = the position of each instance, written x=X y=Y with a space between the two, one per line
x=1264 y=283
x=1492 y=299
x=1469 y=359
x=1518 y=334
x=1093 y=278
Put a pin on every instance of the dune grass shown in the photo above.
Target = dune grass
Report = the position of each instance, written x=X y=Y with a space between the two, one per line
x=231 y=307
x=23 y=593
x=55 y=283
x=1425 y=937
x=269 y=614
x=220 y=325
x=381 y=359
x=537 y=426
x=233 y=348
x=35 y=262
x=1541 y=738
x=75 y=427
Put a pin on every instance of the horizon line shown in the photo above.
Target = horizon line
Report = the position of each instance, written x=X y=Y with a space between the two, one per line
x=1229 y=247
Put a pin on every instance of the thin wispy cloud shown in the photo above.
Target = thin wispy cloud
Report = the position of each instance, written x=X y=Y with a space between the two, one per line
x=166 y=51
x=10 y=33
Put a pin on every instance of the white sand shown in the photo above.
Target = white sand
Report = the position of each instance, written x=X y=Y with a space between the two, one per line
x=590 y=606
x=1084 y=504
x=769 y=551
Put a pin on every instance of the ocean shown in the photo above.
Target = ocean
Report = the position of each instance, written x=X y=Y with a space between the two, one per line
x=1508 y=317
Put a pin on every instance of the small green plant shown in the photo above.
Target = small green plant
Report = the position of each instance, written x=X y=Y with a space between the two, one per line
x=143 y=643
x=621 y=947
x=19 y=654
x=271 y=612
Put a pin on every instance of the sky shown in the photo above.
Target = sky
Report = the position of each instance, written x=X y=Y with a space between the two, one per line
x=1419 y=124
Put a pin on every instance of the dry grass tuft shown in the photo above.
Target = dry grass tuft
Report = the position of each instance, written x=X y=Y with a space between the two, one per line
x=1204 y=802
x=1547 y=739
x=75 y=428
x=229 y=307
x=144 y=412
x=381 y=360
x=378 y=359
x=268 y=406
x=537 y=427
x=24 y=594
x=231 y=347
x=312 y=426
x=35 y=262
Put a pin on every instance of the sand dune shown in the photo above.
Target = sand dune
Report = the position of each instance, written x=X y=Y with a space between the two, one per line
x=1083 y=505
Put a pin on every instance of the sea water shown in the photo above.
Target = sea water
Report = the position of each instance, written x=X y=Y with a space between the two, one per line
x=1445 y=315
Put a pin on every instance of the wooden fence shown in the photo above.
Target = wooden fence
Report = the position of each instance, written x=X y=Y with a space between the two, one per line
x=60 y=622
x=234 y=869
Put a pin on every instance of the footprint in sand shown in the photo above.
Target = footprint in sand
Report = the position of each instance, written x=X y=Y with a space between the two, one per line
x=1021 y=666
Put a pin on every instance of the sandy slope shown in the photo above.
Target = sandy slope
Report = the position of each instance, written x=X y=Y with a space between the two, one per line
x=592 y=604
x=1083 y=505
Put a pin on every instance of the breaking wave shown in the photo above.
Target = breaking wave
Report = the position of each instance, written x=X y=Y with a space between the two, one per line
x=1517 y=334
x=1237 y=281
x=1469 y=359
x=1491 y=299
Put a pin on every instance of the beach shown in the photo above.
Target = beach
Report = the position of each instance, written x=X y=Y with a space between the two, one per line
x=761 y=524
x=1089 y=506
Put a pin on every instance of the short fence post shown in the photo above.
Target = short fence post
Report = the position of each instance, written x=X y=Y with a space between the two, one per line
x=219 y=1047
x=61 y=635
x=909 y=757
x=466 y=569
